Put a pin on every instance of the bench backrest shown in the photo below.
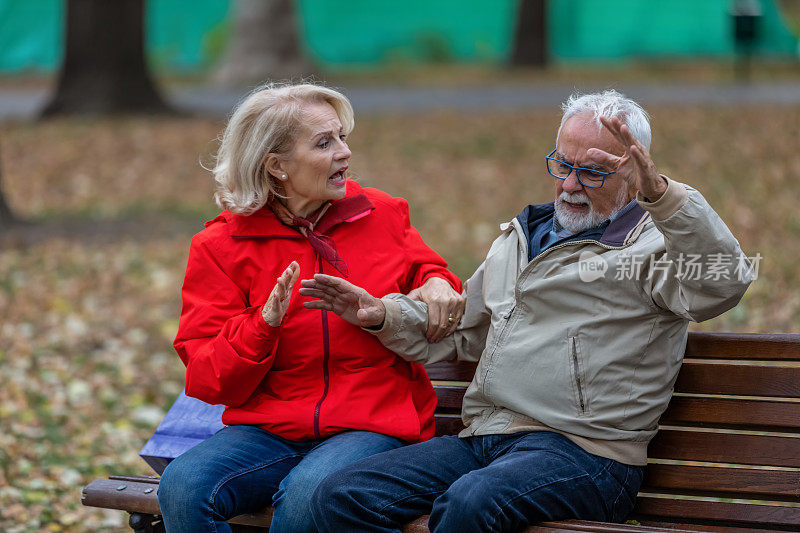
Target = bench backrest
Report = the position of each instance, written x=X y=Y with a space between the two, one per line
x=728 y=448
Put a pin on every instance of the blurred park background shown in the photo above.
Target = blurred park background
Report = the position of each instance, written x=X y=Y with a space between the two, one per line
x=110 y=109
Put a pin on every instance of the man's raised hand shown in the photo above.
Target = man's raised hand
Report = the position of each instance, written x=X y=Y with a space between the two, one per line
x=352 y=303
x=635 y=166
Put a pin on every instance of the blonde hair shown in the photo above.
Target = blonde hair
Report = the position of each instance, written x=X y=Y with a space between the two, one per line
x=266 y=122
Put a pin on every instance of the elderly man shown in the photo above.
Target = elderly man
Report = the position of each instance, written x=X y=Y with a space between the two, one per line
x=578 y=320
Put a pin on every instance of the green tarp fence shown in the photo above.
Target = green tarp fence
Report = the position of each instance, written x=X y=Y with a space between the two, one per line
x=190 y=35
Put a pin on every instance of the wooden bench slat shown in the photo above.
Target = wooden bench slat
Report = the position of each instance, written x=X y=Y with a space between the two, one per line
x=717 y=512
x=140 y=495
x=262 y=519
x=448 y=424
x=748 y=413
x=705 y=528
x=420 y=525
x=132 y=496
x=782 y=347
x=451 y=371
x=137 y=479
x=723 y=377
x=568 y=526
x=687 y=444
x=733 y=412
x=756 y=483
x=645 y=526
x=449 y=396
x=103 y=493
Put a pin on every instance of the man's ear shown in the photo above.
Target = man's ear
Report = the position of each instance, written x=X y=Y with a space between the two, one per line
x=631 y=192
x=275 y=166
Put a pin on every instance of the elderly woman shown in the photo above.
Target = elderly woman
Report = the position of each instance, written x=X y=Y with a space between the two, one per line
x=305 y=392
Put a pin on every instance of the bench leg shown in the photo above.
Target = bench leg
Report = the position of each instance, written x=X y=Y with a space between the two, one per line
x=146 y=523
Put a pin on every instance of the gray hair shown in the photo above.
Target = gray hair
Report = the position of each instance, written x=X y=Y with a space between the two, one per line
x=266 y=122
x=610 y=104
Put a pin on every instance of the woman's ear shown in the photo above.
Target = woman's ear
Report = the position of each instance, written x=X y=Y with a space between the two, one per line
x=275 y=166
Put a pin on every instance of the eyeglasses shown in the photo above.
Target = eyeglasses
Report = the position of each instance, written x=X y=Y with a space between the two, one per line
x=588 y=177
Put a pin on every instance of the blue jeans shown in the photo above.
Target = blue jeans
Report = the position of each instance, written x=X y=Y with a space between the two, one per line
x=243 y=469
x=486 y=483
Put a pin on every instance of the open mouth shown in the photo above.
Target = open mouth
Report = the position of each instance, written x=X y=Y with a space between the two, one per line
x=338 y=176
x=576 y=206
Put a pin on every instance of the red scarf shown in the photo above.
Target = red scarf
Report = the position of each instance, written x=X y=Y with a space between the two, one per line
x=322 y=244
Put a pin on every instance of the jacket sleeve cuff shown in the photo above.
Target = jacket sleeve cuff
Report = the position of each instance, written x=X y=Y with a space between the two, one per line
x=260 y=326
x=392 y=320
x=265 y=336
x=446 y=275
x=669 y=203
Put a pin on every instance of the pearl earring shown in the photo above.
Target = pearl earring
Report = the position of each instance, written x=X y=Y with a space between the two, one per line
x=283 y=176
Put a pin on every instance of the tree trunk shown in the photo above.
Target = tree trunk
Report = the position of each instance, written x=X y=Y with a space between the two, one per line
x=265 y=45
x=530 y=41
x=104 y=69
x=7 y=218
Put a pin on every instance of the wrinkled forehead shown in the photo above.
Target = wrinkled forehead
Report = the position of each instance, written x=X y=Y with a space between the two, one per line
x=580 y=133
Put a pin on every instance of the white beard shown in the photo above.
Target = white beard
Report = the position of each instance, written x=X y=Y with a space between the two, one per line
x=577 y=222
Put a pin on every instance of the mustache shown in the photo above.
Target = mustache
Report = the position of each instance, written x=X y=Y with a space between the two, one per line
x=574 y=198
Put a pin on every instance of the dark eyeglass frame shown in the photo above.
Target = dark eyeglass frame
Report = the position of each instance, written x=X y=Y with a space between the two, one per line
x=577 y=170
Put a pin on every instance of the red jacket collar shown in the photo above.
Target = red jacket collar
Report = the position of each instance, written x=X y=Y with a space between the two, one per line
x=264 y=223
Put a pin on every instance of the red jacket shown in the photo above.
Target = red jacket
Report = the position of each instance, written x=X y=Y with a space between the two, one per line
x=315 y=375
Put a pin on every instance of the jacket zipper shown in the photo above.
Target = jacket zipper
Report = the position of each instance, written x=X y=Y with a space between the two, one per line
x=497 y=342
x=578 y=375
x=507 y=316
x=574 y=346
x=326 y=356
x=568 y=243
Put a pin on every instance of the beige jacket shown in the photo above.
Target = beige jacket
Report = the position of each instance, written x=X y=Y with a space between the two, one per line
x=566 y=346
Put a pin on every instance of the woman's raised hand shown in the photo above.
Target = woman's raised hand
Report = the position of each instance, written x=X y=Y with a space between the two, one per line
x=350 y=302
x=278 y=301
x=445 y=307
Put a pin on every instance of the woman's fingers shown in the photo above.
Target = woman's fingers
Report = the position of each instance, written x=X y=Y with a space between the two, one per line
x=453 y=311
x=280 y=296
x=456 y=312
x=415 y=294
x=285 y=282
x=436 y=321
x=294 y=270
x=443 y=307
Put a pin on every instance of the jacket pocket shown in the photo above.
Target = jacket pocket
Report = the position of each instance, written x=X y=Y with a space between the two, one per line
x=575 y=360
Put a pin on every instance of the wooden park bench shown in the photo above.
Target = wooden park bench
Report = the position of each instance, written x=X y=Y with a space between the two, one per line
x=726 y=458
